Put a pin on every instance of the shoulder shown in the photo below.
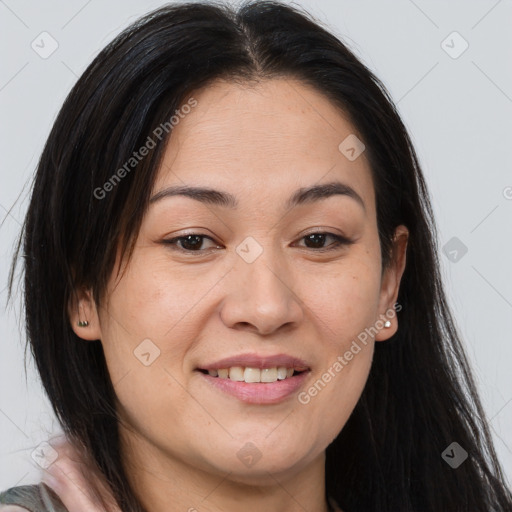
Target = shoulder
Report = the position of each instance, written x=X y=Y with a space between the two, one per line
x=34 y=498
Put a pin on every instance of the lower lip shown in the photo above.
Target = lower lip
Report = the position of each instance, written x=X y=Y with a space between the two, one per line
x=258 y=392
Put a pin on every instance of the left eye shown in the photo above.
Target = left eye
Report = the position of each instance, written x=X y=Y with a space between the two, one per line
x=193 y=242
x=319 y=238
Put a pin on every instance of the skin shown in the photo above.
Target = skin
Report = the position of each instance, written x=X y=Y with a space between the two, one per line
x=180 y=436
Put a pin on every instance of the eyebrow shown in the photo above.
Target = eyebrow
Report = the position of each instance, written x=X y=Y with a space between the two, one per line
x=225 y=199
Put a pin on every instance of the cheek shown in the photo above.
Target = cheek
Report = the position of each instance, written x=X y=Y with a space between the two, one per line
x=345 y=307
x=347 y=385
x=153 y=300
x=144 y=309
x=331 y=396
x=151 y=323
x=344 y=300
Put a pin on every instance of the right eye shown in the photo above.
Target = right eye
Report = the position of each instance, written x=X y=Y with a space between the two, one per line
x=187 y=243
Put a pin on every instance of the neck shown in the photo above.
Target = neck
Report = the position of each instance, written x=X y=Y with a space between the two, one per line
x=164 y=483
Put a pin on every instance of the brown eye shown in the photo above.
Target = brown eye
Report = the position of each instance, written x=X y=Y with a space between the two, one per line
x=188 y=243
x=317 y=241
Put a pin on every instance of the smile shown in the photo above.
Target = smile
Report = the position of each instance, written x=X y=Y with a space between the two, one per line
x=254 y=375
x=256 y=378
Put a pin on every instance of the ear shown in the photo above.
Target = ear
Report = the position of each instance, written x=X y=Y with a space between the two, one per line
x=82 y=308
x=390 y=284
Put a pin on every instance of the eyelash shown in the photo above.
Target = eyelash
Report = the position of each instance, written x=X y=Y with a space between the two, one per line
x=339 y=241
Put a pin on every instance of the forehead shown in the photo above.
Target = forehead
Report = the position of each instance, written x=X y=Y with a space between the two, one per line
x=279 y=134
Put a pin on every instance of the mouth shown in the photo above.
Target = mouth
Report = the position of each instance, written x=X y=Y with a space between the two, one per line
x=253 y=375
x=256 y=380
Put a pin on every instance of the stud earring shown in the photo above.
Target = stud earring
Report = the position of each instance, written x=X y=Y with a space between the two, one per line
x=81 y=323
x=387 y=324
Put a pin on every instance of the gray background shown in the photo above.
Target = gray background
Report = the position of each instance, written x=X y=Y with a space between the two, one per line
x=458 y=112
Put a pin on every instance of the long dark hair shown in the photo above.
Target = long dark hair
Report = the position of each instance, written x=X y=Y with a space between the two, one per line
x=420 y=395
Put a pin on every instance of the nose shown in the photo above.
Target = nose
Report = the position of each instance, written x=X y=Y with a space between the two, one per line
x=261 y=297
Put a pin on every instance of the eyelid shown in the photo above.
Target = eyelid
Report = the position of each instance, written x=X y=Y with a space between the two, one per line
x=340 y=241
x=172 y=242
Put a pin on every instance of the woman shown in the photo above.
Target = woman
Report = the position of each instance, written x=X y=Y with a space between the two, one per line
x=232 y=288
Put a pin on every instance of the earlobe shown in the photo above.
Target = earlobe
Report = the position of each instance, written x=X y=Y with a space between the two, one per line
x=390 y=285
x=83 y=315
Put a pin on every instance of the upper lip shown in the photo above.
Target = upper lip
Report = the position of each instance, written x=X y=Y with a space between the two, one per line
x=257 y=361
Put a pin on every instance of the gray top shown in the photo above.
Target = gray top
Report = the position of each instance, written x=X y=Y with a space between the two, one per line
x=35 y=498
x=41 y=498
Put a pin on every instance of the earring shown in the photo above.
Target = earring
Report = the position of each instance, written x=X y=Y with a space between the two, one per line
x=387 y=324
x=81 y=323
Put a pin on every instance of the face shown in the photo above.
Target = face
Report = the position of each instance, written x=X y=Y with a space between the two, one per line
x=271 y=282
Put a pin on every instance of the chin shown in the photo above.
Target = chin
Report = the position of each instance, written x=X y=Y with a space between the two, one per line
x=259 y=463
x=262 y=473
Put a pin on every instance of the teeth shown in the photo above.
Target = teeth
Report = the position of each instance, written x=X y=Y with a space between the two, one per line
x=252 y=375
x=236 y=373
x=268 y=375
x=248 y=374
x=281 y=372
